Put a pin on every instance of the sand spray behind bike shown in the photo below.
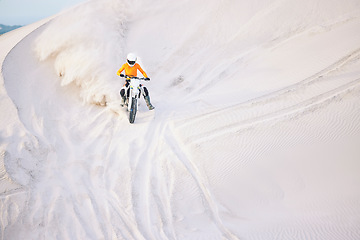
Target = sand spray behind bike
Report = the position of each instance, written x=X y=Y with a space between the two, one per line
x=90 y=49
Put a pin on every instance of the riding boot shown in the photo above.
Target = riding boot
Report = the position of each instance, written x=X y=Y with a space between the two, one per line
x=148 y=103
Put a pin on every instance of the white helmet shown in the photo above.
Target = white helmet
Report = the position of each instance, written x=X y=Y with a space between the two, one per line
x=131 y=59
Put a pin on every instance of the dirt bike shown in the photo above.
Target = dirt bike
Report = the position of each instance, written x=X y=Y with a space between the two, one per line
x=133 y=95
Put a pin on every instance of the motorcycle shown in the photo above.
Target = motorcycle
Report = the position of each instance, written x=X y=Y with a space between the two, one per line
x=133 y=95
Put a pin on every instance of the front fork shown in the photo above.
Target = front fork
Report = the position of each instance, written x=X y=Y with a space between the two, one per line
x=134 y=93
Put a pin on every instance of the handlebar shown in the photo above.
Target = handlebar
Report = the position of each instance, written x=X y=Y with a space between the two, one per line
x=126 y=76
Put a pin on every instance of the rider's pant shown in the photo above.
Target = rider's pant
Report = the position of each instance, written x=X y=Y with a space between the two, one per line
x=126 y=89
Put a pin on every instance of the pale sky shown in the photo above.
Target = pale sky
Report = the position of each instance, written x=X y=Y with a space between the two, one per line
x=22 y=12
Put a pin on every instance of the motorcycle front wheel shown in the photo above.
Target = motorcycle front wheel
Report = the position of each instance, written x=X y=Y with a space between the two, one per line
x=133 y=110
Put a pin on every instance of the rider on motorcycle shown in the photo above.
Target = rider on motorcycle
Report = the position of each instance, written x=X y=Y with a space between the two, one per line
x=131 y=67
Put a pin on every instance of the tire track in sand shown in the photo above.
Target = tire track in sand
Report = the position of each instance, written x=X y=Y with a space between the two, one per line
x=306 y=95
x=150 y=194
x=152 y=188
x=209 y=202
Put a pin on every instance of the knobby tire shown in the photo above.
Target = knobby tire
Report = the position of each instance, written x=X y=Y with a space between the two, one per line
x=133 y=110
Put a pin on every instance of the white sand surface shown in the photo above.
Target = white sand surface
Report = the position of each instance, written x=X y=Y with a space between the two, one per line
x=255 y=134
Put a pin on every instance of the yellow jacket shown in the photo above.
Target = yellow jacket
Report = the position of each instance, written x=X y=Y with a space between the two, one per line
x=131 y=71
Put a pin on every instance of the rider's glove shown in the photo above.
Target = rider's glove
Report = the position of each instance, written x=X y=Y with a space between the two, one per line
x=147 y=79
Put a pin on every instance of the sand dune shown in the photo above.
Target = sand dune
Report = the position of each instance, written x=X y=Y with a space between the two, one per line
x=255 y=134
